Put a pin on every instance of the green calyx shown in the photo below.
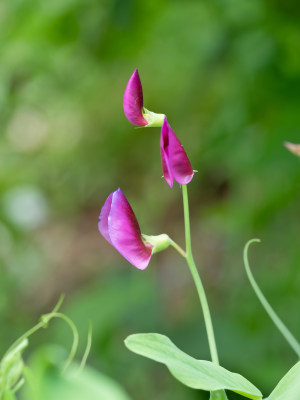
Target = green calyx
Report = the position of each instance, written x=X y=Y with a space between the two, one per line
x=159 y=242
x=153 y=119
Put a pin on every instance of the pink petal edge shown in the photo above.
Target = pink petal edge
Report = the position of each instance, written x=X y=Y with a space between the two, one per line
x=175 y=162
x=133 y=101
x=125 y=233
x=103 y=218
x=164 y=152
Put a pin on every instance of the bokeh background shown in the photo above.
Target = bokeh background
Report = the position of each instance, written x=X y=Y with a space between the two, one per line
x=227 y=74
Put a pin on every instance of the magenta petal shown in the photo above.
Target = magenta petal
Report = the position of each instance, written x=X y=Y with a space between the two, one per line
x=174 y=159
x=133 y=101
x=164 y=152
x=103 y=218
x=124 y=232
x=179 y=163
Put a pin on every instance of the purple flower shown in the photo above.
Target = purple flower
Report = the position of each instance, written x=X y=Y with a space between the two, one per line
x=175 y=163
x=293 y=148
x=119 y=226
x=133 y=101
x=133 y=105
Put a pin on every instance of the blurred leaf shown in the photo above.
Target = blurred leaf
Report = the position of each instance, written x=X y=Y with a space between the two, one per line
x=46 y=381
x=11 y=368
x=289 y=386
x=9 y=395
x=197 y=374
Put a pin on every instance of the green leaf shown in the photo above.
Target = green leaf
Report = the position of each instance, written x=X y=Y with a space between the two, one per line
x=11 y=367
x=196 y=374
x=218 y=395
x=9 y=395
x=289 y=386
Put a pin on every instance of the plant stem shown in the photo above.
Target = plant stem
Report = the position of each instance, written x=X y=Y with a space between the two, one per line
x=41 y=324
x=178 y=248
x=75 y=337
x=45 y=319
x=197 y=280
x=272 y=314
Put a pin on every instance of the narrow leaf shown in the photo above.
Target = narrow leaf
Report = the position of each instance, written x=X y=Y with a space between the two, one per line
x=197 y=374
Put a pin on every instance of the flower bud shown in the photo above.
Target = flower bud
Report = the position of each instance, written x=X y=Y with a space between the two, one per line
x=175 y=162
x=133 y=106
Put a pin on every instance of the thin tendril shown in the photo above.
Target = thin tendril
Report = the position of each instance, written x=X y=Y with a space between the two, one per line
x=44 y=320
x=270 y=311
x=75 y=337
x=43 y=323
x=87 y=349
x=59 y=303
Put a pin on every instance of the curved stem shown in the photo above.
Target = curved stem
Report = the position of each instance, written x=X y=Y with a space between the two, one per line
x=272 y=314
x=197 y=280
x=75 y=337
x=41 y=324
x=205 y=309
x=45 y=319
x=88 y=347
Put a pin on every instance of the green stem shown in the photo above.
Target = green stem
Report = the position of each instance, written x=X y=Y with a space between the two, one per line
x=26 y=335
x=75 y=337
x=88 y=347
x=197 y=280
x=272 y=314
x=43 y=323
x=177 y=247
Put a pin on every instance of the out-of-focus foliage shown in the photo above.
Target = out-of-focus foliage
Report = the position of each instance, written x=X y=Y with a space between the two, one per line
x=11 y=370
x=227 y=74
x=289 y=385
x=46 y=381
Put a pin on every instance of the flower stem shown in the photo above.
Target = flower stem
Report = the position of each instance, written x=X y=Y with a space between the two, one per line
x=177 y=247
x=272 y=314
x=197 y=280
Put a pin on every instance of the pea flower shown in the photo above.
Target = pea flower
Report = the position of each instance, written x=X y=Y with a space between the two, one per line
x=175 y=163
x=293 y=148
x=133 y=105
x=119 y=226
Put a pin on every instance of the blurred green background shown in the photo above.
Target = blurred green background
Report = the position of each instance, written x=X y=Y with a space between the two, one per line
x=227 y=74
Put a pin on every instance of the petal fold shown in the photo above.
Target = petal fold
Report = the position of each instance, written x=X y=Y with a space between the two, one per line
x=103 y=218
x=133 y=101
x=120 y=227
x=164 y=152
x=175 y=163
